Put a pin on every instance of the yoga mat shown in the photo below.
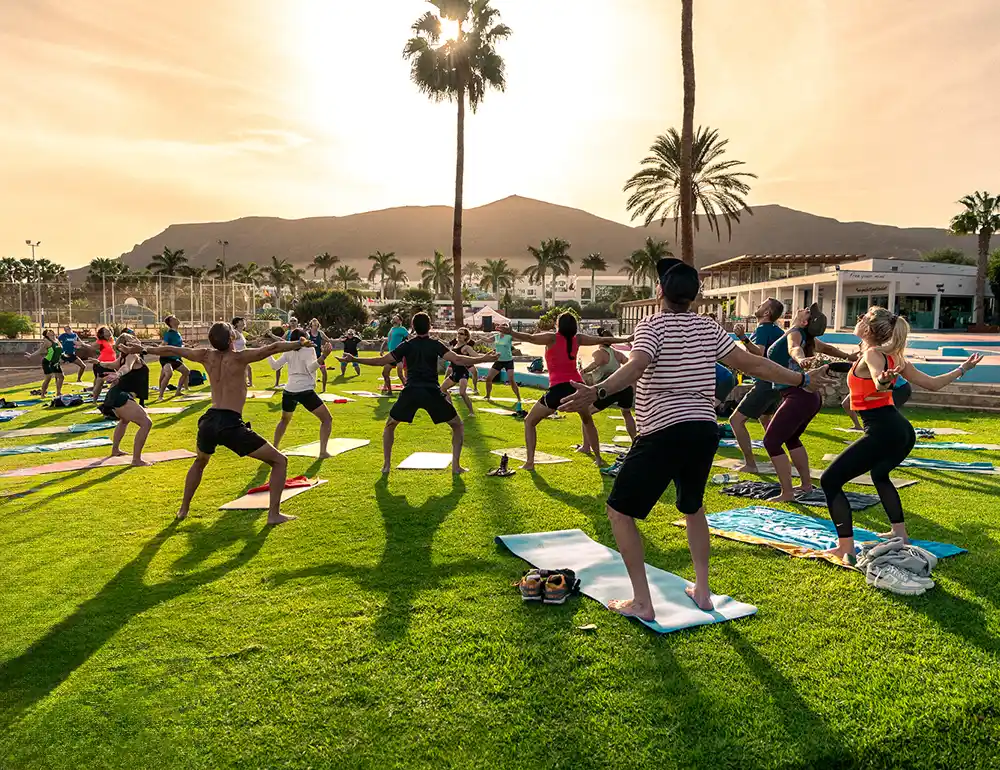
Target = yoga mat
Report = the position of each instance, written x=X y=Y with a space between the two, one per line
x=521 y=453
x=259 y=394
x=369 y=394
x=51 y=431
x=196 y=397
x=937 y=431
x=330 y=397
x=149 y=410
x=957 y=445
x=493 y=410
x=335 y=446
x=766 y=469
x=609 y=448
x=97 y=462
x=503 y=399
x=426 y=461
x=63 y=446
x=28 y=401
x=623 y=439
x=261 y=501
x=767 y=490
x=730 y=443
x=795 y=533
x=603 y=577
x=615 y=417
x=6 y=415
x=928 y=464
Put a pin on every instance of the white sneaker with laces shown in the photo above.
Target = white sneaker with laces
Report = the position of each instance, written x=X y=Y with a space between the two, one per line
x=895 y=580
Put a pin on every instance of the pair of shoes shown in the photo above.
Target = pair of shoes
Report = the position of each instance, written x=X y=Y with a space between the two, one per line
x=612 y=470
x=898 y=581
x=547 y=586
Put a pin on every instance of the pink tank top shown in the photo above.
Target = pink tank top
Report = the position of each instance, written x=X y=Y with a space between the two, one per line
x=562 y=368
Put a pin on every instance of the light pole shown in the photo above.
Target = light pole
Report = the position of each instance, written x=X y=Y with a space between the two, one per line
x=38 y=284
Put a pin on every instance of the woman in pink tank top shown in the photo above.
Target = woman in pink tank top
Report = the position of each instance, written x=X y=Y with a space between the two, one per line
x=561 y=347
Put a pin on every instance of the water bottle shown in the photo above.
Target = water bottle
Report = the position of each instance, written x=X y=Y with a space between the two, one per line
x=725 y=478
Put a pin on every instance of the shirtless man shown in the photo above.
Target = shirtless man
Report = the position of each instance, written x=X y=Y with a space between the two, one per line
x=223 y=423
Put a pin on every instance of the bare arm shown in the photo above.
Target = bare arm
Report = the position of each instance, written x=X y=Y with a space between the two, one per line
x=795 y=349
x=741 y=334
x=927 y=382
x=37 y=350
x=259 y=354
x=383 y=360
x=766 y=369
x=277 y=363
x=830 y=350
x=540 y=338
x=191 y=354
x=600 y=359
x=589 y=339
x=452 y=357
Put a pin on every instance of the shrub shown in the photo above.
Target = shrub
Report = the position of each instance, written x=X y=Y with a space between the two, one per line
x=522 y=310
x=419 y=296
x=405 y=310
x=337 y=311
x=548 y=321
x=597 y=310
x=369 y=332
x=13 y=324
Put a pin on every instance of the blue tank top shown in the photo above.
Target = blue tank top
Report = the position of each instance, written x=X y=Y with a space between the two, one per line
x=779 y=353
x=317 y=341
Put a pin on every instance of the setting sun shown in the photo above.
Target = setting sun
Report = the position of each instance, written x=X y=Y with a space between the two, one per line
x=449 y=29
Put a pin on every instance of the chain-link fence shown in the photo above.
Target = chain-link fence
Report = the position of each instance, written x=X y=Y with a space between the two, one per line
x=139 y=303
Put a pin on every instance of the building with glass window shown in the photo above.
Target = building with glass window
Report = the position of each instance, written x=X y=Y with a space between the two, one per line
x=930 y=295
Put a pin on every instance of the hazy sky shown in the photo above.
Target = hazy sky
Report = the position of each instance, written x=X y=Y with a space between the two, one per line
x=123 y=116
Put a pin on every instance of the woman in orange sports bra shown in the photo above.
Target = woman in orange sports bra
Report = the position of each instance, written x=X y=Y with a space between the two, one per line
x=889 y=437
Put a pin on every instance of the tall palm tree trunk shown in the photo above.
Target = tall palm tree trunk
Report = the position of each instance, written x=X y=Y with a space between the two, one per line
x=456 y=239
x=593 y=287
x=981 y=269
x=687 y=132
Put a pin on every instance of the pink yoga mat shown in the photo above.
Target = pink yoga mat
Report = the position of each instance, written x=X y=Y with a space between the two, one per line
x=97 y=462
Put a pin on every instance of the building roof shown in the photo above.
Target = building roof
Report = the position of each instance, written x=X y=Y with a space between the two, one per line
x=777 y=259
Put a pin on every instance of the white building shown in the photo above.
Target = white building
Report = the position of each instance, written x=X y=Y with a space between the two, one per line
x=568 y=287
x=931 y=295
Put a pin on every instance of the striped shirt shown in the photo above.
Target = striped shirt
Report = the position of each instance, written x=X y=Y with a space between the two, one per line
x=679 y=383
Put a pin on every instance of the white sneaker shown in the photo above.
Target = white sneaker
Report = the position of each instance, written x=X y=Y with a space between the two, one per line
x=895 y=580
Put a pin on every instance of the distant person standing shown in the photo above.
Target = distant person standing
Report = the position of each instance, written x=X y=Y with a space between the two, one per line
x=397 y=334
x=351 y=342
x=51 y=352
x=70 y=342
x=239 y=325
x=318 y=338
x=504 y=345
x=172 y=338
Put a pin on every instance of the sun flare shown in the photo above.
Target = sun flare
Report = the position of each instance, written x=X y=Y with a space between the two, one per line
x=449 y=29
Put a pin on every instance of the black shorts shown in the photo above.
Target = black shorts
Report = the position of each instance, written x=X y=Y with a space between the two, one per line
x=901 y=395
x=623 y=399
x=681 y=454
x=226 y=428
x=555 y=394
x=51 y=367
x=307 y=398
x=458 y=373
x=431 y=400
x=171 y=361
x=69 y=358
x=762 y=399
x=115 y=398
x=503 y=365
x=100 y=371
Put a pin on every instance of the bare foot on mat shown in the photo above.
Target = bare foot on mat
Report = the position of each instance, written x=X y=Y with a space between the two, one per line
x=701 y=598
x=630 y=609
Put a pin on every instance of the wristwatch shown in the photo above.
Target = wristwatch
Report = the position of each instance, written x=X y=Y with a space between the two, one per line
x=601 y=393
x=805 y=380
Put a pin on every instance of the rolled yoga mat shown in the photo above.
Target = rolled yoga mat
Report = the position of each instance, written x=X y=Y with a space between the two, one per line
x=603 y=577
x=795 y=533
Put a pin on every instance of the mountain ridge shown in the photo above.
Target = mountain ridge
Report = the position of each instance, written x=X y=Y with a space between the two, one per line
x=504 y=228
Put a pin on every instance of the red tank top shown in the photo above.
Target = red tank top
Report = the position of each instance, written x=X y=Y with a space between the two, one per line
x=864 y=393
x=107 y=353
x=562 y=367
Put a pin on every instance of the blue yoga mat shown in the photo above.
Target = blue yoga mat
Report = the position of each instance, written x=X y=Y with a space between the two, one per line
x=731 y=443
x=83 y=427
x=6 y=415
x=945 y=465
x=61 y=446
x=955 y=445
x=776 y=526
x=603 y=577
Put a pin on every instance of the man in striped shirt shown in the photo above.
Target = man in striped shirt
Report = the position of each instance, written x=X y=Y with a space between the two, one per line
x=672 y=366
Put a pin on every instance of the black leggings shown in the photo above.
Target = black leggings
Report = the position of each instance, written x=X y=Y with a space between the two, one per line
x=797 y=409
x=888 y=439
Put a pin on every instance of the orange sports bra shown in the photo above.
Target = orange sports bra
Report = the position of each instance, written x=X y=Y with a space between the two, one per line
x=864 y=393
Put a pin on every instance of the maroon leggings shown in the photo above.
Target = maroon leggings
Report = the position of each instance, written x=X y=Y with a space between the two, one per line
x=796 y=411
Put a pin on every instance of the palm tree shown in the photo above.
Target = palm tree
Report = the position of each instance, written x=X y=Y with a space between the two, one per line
x=346 y=274
x=686 y=176
x=220 y=270
x=594 y=263
x=458 y=70
x=187 y=271
x=642 y=262
x=438 y=275
x=248 y=273
x=394 y=278
x=550 y=257
x=718 y=189
x=380 y=266
x=279 y=273
x=168 y=262
x=471 y=272
x=324 y=262
x=980 y=218
x=497 y=275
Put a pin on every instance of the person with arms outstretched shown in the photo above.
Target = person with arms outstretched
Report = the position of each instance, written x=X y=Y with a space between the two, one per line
x=223 y=424
x=397 y=334
x=71 y=342
x=421 y=391
x=169 y=364
x=301 y=389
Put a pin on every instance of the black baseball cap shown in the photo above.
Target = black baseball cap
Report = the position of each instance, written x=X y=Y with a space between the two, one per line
x=680 y=282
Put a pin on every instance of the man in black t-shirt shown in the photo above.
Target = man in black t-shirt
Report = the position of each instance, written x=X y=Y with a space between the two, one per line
x=421 y=354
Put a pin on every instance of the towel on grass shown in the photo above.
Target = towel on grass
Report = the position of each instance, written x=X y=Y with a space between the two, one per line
x=926 y=463
x=730 y=443
x=60 y=446
x=795 y=533
x=765 y=490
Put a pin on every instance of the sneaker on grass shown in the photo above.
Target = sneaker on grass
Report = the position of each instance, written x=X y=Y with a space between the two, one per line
x=898 y=581
x=531 y=586
x=558 y=586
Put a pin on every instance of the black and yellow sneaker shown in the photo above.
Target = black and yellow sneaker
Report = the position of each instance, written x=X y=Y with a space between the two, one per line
x=531 y=586
x=558 y=586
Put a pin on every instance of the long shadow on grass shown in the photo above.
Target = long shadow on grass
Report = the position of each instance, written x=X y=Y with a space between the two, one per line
x=406 y=568
x=953 y=614
x=31 y=676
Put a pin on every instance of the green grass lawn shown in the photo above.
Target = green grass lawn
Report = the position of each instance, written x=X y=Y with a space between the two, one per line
x=380 y=629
